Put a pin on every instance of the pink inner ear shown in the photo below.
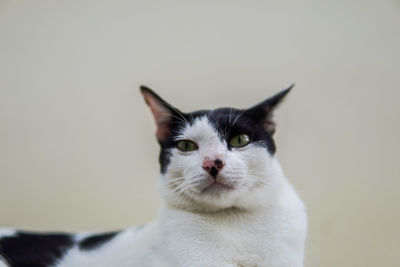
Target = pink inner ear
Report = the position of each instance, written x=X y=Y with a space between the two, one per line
x=270 y=128
x=163 y=131
x=162 y=116
x=269 y=125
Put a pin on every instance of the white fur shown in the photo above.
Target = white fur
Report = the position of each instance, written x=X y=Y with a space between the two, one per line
x=4 y=232
x=261 y=222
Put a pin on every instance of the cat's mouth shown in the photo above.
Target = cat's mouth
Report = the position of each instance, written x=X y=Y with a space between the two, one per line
x=216 y=186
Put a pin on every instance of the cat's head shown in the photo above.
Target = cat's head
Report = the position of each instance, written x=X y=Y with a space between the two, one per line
x=216 y=159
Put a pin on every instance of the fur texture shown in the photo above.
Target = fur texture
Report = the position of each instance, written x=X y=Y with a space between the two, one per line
x=226 y=201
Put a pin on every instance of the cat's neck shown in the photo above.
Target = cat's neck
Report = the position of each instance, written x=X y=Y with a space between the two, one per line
x=231 y=216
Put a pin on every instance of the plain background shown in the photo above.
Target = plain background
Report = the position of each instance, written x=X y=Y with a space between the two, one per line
x=77 y=146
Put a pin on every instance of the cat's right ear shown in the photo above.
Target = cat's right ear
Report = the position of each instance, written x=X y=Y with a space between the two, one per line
x=263 y=112
x=163 y=112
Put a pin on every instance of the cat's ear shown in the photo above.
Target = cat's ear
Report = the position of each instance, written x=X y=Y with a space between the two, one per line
x=264 y=111
x=163 y=112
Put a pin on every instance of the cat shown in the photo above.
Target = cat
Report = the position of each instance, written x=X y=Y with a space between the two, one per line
x=226 y=201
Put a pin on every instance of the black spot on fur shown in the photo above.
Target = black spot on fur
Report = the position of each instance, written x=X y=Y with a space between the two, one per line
x=34 y=250
x=95 y=241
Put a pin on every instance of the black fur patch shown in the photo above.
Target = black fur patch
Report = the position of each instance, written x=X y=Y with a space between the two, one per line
x=178 y=122
x=95 y=241
x=26 y=249
x=228 y=122
x=256 y=122
x=231 y=122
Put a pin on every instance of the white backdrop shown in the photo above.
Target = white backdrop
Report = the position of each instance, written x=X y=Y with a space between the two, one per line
x=77 y=147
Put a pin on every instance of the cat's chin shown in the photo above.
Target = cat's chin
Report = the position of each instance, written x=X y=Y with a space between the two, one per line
x=216 y=187
x=207 y=194
x=215 y=197
x=215 y=194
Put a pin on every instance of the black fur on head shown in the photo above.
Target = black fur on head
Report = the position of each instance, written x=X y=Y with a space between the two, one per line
x=255 y=121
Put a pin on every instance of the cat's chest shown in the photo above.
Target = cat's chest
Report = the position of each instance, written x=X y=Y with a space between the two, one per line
x=243 y=242
x=240 y=245
x=237 y=240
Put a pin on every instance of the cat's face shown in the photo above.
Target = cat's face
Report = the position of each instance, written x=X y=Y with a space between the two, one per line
x=213 y=159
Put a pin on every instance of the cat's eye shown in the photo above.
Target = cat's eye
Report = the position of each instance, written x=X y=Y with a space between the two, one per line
x=186 y=145
x=239 y=140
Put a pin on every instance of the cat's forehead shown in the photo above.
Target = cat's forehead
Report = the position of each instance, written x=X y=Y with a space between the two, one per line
x=217 y=123
x=216 y=114
x=200 y=129
x=216 y=117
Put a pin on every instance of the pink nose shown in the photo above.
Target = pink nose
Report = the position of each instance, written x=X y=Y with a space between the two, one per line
x=213 y=166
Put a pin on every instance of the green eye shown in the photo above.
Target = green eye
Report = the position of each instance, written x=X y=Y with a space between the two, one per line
x=186 y=145
x=239 y=140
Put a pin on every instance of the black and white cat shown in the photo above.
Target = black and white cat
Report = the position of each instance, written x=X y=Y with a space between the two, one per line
x=226 y=201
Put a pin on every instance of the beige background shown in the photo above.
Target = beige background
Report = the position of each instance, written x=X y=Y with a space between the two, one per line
x=76 y=140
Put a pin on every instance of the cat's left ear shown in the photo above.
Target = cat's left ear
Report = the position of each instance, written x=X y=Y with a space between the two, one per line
x=163 y=113
x=263 y=112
